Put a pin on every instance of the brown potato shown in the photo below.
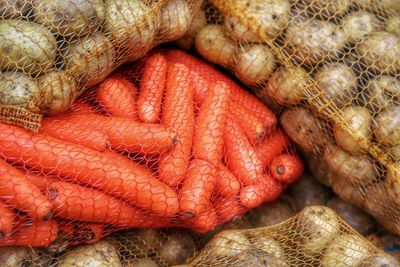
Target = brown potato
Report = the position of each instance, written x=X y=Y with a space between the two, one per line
x=353 y=129
x=383 y=260
x=387 y=126
x=393 y=24
x=178 y=248
x=13 y=9
x=359 y=24
x=319 y=169
x=394 y=5
x=175 y=19
x=69 y=17
x=258 y=258
x=140 y=242
x=355 y=217
x=141 y=262
x=254 y=64
x=15 y=256
x=229 y=243
x=382 y=91
x=349 y=192
x=268 y=245
x=199 y=21
x=328 y=7
x=271 y=213
x=377 y=200
x=395 y=152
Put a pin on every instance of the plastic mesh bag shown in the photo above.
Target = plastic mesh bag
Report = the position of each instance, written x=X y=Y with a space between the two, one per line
x=51 y=52
x=331 y=69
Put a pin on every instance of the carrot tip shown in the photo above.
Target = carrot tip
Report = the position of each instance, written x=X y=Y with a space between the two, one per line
x=188 y=214
x=52 y=194
x=2 y=235
x=175 y=140
x=280 y=169
x=48 y=216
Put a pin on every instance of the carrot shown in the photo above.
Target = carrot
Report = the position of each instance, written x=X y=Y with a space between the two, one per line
x=129 y=181
x=65 y=236
x=41 y=181
x=178 y=114
x=197 y=188
x=80 y=107
x=228 y=208
x=240 y=156
x=203 y=223
x=89 y=233
x=266 y=190
x=7 y=219
x=286 y=168
x=117 y=97
x=151 y=88
x=33 y=233
x=76 y=133
x=17 y=190
x=208 y=139
x=75 y=202
x=227 y=184
x=273 y=145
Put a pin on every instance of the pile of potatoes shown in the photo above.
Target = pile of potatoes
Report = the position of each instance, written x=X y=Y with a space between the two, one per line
x=50 y=51
x=332 y=71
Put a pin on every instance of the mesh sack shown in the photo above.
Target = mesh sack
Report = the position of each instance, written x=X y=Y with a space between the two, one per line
x=331 y=70
x=52 y=51
x=168 y=141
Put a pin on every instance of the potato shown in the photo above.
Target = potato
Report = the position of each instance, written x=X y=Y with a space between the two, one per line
x=303 y=128
x=175 y=19
x=359 y=24
x=131 y=25
x=393 y=182
x=258 y=258
x=390 y=243
x=268 y=17
x=18 y=89
x=393 y=24
x=381 y=91
x=12 y=9
x=141 y=262
x=26 y=46
x=199 y=21
x=379 y=4
x=268 y=245
x=312 y=41
x=347 y=191
x=381 y=51
x=354 y=127
x=141 y=242
x=58 y=90
x=212 y=43
x=329 y=7
x=91 y=58
x=355 y=169
x=69 y=17
x=395 y=152
x=271 y=213
x=320 y=225
x=346 y=251
x=336 y=84
x=15 y=256
x=387 y=126
x=177 y=249
x=319 y=170
x=255 y=63
x=355 y=217
x=286 y=86
x=100 y=254
x=307 y=191
x=382 y=260
x=229 y=243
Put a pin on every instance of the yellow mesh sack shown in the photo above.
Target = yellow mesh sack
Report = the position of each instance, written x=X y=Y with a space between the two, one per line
x=52 y=51
x=331 y=69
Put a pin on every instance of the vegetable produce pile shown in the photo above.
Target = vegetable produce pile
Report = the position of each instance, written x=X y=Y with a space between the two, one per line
x=51 y=51
x=331 y=69
x=168 y=141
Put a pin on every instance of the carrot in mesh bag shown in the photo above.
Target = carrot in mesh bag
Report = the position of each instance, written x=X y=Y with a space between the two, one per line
x=17 y=190
x=272 y=146
x=227 y=184
x=89 y=233
x=177 y=114
x=228 y=207
x=286 y=168
x=152 y=86
x=7 y=219
x=41 y=181
x=202 y=223
x=131 y=182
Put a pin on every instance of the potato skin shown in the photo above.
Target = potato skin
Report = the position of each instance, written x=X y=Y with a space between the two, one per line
x=15 y=256
x=387 y=126
x=271 y=213
x=18 y=89
x=314 y=41
x=69 y=17
x=328 y=7
x=177 y=249
x=359 y=24
x=380 y=51
x=91 y=59
x=12 y=9
x=229 y=243
x=26 y=46
x=319 y=169
x=381 y=92
x=141 y=262
x=258 y=258
x=393 y=25
x=175 y=19
x=199 y=21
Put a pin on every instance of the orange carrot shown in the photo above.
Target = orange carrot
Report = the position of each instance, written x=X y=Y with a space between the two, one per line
x=227 y=184
x=89 y=233
x=273 y=145
x=41 y=181
x=75 y=202
x=266 y=190
x=65 y=237
x=208 y=139
x=131 y=181
x=178 y=114
x=197 y=188
x=117 y=97
x=80 y=107
x=286 y=168
x=228 y=208
x=81 y=134
x=17 y=190
x=203 y=223
x=240 y=156
x=34 y=233
x=151 y=88
x=7 y=219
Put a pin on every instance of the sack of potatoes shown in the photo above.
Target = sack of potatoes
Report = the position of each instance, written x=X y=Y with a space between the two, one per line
x=331 y=69
x=51 y=51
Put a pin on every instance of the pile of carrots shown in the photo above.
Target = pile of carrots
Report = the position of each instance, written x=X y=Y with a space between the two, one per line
x=208 y=151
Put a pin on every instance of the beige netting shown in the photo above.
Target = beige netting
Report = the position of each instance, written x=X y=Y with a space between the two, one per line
x=331 y=69
x=52 y=51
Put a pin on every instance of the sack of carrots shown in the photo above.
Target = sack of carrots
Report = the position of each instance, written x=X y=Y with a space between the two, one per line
x=53 y=50
x=331 y=70
x=169 y=141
